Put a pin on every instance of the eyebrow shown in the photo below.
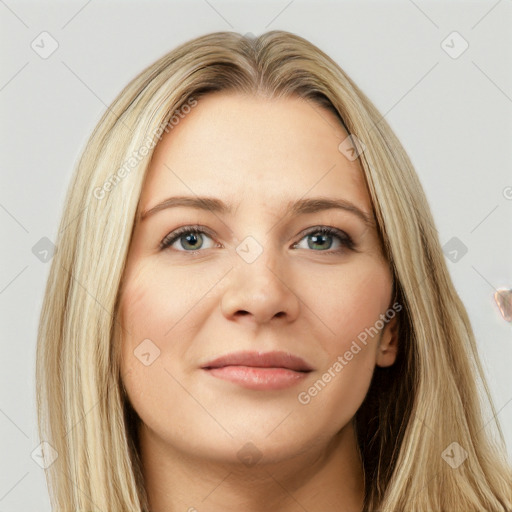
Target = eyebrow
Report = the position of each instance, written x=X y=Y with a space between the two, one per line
x=299 y=207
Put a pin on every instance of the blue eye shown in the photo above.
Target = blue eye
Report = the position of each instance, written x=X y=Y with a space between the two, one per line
x=318 y=235
x=189 y=236
x=191 y=239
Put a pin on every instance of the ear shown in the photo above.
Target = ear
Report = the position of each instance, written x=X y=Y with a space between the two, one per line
x=388 y=344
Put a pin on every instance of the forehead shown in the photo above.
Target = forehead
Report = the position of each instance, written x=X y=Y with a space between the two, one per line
x=251 y=150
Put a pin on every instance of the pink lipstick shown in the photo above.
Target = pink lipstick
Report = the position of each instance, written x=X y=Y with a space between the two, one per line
x=259 y=371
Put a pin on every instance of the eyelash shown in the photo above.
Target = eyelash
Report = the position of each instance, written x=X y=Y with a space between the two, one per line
x=345 y=240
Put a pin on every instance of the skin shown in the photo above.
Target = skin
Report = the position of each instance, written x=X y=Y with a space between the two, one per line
x=257 y=154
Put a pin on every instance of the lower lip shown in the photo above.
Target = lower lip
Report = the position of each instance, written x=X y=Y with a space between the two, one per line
x=258 y=378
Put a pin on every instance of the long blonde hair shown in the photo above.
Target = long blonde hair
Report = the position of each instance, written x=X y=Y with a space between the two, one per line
x=414 y=409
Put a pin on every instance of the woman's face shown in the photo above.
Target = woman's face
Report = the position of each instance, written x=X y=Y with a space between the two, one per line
x=260 y=279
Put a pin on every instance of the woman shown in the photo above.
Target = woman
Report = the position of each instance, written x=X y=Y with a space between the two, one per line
x=203 y=346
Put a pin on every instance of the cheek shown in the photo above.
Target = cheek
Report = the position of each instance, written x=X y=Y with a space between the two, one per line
x=155 y=303
x=158 y=309
x=351 y=307
x=350 y=303
x=146 y=314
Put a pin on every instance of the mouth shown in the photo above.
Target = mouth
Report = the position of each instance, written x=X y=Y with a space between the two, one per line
x=259 y=371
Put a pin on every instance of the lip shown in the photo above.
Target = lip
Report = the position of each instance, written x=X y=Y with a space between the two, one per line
x=257 y=370
x=276 y=359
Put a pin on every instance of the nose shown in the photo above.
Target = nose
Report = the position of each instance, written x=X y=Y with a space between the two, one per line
x=261 y=291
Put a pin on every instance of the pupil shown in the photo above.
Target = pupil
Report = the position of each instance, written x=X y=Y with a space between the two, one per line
x=316 y=239
x=191 y=237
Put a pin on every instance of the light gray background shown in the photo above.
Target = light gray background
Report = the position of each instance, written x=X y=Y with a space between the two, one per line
x=453 y=115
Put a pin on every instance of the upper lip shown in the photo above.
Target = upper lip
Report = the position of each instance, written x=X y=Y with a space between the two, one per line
x=260 y=360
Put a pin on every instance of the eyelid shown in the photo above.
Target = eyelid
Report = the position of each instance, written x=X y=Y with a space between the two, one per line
x=175 y=234
x=344 y=238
